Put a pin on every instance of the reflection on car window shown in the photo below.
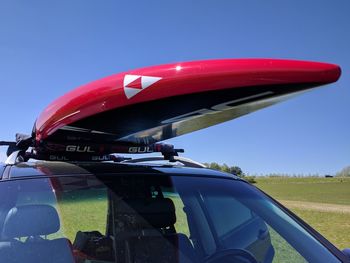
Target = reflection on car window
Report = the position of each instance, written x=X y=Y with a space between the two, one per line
x=181 y=224
x=92 y=207
x=284 y=252
x=147 y=218
x=227 y=213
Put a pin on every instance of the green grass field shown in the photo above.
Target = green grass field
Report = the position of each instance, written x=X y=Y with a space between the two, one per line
x=324 y=203
x=312 y=189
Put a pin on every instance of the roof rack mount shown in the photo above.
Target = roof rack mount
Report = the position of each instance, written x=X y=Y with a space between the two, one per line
x=17 y=151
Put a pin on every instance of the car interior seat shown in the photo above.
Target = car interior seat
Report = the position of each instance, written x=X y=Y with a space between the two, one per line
x=32 y=222
x=150 y=235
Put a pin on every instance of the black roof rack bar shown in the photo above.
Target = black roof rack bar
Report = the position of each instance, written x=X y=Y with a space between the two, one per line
x=7 y=143
x=11 y=147
x=17 y=152
x=21 y=156
x=22 y=143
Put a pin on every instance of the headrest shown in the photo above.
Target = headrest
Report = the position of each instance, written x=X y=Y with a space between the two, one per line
x=31 y=220
x=157 y=212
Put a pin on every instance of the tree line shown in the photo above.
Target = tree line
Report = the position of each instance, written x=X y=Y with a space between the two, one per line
x=225 y=168
x=236 y=170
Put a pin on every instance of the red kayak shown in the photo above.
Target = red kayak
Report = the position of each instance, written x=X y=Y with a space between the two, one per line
x=149 y=105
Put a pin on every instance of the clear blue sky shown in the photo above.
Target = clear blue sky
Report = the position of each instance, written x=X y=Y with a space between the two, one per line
x=49 y=47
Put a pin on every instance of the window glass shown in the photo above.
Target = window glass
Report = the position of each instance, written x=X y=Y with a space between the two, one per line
x=284 y=252
x=147 y=218
x=83 y=210
x=181 y=224
x=227 y=213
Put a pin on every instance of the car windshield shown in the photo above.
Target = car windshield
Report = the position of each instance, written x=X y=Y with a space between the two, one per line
x=147 y=218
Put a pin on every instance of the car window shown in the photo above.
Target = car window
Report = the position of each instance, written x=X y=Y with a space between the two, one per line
x=227 y=213
x=181 y=224
x=147 y=218
x=241 y=218
x=284 y=252
x=92 y=215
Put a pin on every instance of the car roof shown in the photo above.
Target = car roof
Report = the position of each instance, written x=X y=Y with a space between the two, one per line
x=53 y=168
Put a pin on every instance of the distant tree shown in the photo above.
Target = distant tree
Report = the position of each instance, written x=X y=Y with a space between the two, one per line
x=237 y=171
x=225 y=168
x=250 y=179
x=344 y=172
x=214 y=166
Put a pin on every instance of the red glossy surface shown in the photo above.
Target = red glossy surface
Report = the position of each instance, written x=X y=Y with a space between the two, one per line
x=178 y=79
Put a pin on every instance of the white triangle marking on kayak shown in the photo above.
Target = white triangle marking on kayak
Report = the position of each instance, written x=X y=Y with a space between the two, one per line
x=130 y=78
x=146 y=81
x=130 y=92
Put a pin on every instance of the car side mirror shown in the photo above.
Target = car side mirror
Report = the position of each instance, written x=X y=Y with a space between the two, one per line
x=346 y=252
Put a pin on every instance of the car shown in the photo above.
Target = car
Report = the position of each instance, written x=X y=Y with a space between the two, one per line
x=146 y=212
x=67 y=197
